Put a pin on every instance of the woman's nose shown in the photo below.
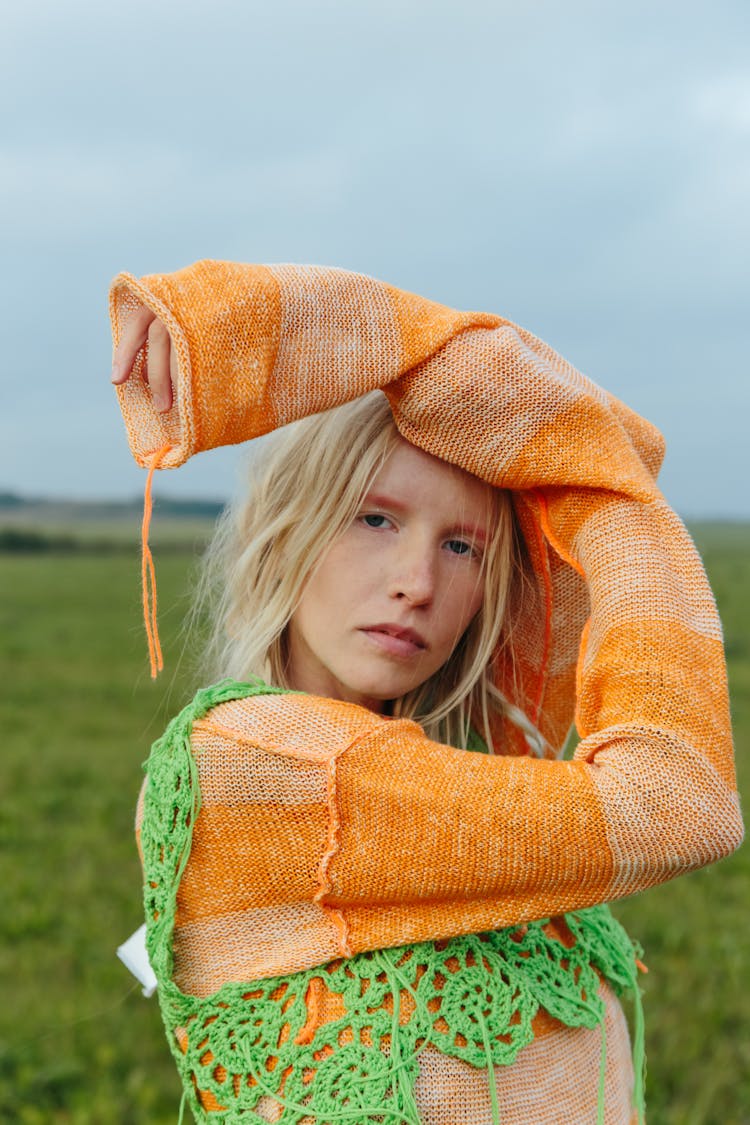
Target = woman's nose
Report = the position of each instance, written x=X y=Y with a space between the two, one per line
x=413 y=576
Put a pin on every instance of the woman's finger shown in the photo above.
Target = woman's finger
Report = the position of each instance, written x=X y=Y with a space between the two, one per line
x=173 y=371
x=132 y=340
x=159 y=353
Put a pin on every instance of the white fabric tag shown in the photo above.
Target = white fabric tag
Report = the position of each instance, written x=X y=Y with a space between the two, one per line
x=133 y=955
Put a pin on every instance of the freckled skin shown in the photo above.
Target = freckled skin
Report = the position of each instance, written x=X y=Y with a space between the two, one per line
x=411 y=560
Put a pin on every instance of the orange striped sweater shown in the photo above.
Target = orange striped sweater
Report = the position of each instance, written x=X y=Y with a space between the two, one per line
x=326 y=831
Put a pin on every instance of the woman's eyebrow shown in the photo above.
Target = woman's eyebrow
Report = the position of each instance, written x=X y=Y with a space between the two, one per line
x=383 y=500
x=473 y=531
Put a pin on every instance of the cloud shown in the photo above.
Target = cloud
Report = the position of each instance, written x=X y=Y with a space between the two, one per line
x=723 y=102
x=579 y=167
x=70 y=192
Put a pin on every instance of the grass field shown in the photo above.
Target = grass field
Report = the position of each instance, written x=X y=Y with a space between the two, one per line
x=78 y=1043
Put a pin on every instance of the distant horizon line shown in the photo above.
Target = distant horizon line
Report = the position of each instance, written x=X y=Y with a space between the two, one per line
x=11 y=499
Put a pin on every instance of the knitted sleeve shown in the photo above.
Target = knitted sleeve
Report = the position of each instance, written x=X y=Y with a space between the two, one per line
x=420 y=840
x=326 y=831
x=259 y=346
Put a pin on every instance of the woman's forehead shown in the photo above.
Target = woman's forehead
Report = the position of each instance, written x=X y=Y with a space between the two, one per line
x=413 y=476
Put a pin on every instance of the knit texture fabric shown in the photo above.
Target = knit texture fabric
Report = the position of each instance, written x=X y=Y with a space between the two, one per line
x=326 y=831
x=618 y=596
x=342 y=1041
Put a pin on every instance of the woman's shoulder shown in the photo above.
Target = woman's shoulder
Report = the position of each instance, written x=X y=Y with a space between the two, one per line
x=289 y=723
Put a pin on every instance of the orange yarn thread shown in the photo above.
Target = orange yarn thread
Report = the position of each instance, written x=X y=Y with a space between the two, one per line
x=148 y=574
x=546 y=575
x=324 y=881
x=313 y=1001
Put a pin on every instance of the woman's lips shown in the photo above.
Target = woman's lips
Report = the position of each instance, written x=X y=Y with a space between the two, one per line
x=394 y=640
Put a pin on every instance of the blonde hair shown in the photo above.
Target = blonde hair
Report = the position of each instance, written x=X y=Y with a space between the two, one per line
x=306 y=487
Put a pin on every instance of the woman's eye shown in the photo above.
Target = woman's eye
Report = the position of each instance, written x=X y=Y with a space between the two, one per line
x=373 y=519
x=459 y=547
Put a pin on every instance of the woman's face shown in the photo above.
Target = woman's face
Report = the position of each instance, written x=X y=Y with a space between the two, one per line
x=391 y=598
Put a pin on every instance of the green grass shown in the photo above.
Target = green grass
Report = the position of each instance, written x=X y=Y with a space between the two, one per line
x=78 y=1043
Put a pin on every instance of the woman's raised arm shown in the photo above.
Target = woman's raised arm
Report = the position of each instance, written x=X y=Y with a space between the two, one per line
x=254 y=347
x=627 y=628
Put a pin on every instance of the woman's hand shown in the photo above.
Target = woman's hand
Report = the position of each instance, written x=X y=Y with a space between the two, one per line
x=160 y=369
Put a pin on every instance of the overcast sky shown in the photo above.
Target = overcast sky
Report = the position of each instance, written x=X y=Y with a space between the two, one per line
x=581 y=168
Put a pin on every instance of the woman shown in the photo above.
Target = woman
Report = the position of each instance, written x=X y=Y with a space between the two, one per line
x=352 y=926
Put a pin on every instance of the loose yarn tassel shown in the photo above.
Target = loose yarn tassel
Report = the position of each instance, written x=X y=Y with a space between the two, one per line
x=148 y=574
x=491 y=1079
x=639 y=1055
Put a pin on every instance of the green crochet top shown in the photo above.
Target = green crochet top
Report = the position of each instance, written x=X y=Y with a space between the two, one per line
x=474 y=996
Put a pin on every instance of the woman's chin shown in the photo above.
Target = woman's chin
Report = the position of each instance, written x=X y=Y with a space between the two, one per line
x=379 y=695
